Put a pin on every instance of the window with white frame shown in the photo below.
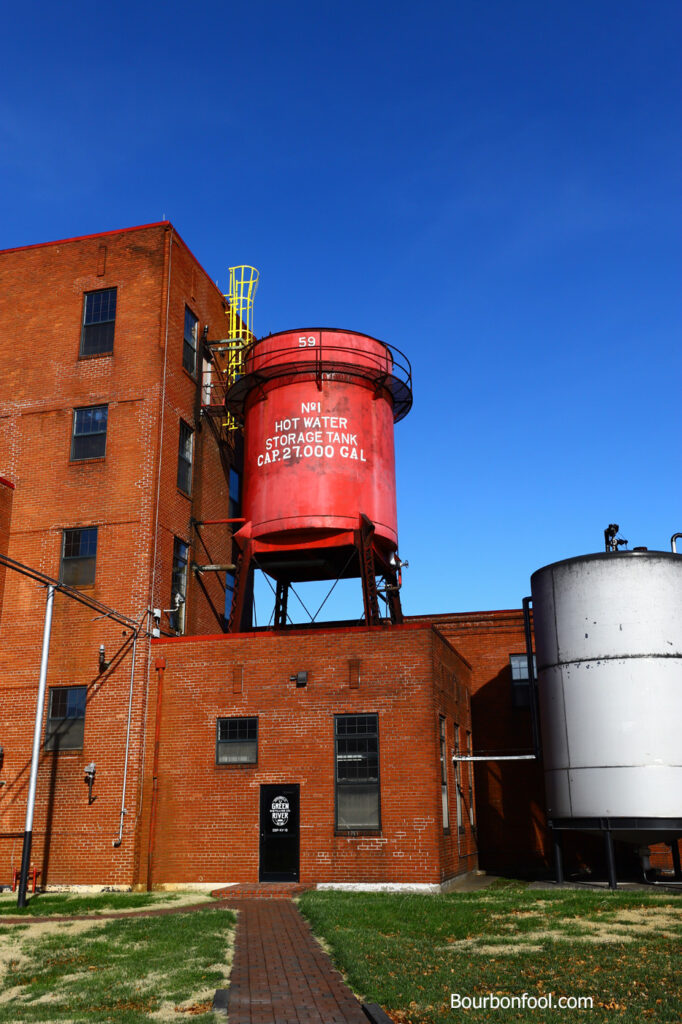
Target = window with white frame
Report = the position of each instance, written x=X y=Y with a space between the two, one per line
x=176 y=615
x=470 y=768
x=185 y=453
x=444 y=773
x=189 y=342
x=458 y=782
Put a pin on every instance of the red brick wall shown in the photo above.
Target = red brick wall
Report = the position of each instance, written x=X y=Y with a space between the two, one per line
x=510 y=795
x=41 y=308
x=208 y=816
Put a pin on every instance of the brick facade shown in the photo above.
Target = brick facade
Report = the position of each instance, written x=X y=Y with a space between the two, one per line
x=207 y=821
x=182 y=817
x=512 y=825
x=130 y=495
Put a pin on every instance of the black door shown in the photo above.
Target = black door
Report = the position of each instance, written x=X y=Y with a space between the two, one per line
x=279 y=833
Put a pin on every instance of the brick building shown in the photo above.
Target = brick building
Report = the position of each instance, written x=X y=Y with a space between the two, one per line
x=109 y=465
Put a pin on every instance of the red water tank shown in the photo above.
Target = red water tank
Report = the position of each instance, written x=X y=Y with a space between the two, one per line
x=318 y=408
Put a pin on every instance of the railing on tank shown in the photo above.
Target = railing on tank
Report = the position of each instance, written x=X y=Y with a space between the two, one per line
x=318 y=354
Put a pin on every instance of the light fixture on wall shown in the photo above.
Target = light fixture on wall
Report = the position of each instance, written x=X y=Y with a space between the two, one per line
x=90 y=770
x=103 y=663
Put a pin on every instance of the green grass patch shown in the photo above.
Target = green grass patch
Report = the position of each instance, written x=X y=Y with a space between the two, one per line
x=410 y=952
x=48 y=903
x=128 y=970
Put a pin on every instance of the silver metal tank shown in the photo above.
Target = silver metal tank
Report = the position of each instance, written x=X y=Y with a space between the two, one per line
x=608 y=630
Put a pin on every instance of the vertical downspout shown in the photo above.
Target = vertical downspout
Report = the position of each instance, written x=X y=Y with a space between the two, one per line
x=117 y=842
x=156 y=525
x=532 y=686
x=160 y=666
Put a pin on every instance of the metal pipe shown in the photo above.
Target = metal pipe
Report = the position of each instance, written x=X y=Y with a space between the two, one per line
x=217 y=522
x=160 y=666
x=117 y=842
x=610 y=860
x=500 y=757
x=675 y=851
x=35 y=757
x=557 y=843
x=531 y=677
x=673 y=542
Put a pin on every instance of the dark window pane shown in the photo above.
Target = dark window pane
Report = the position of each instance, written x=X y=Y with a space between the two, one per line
x=189 y=345
x=100 y=307
x=79 y=555
x=237 y=741
x=185 y=449
x=99 y=314
x=89 y=432
x=520 y=683
x=178 y=584
x=235 y=499
x=66 y=718
x=357 y=771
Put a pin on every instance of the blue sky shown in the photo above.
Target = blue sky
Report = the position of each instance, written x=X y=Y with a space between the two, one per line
x=493 y=187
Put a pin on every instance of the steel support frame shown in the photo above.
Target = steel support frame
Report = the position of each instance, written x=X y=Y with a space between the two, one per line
x=372 y=563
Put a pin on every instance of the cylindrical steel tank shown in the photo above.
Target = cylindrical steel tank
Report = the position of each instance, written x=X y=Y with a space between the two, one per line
x=318 y=407
x=608 y=631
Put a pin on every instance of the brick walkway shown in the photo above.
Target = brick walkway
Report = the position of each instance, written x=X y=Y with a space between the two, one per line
x=280 y=975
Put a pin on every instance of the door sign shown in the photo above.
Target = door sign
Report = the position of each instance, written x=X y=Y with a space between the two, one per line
x=279 y=812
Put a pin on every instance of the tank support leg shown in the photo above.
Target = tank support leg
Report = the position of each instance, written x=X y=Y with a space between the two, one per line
x=368 y=570
x=241 y=613
x=610 y=860
x=675 y=850
x=281 y=602
x=393 y=592
x=558 y=846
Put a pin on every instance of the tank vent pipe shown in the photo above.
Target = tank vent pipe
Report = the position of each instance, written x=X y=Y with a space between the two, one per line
x=673 y=542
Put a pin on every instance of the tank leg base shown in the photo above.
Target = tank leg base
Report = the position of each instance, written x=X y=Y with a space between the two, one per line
x=610 y=860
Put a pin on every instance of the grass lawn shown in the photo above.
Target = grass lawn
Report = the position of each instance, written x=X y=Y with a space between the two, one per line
x=410 y=953
x=127 y=970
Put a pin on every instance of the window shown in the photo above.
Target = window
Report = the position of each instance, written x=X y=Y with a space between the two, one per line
x=178 y=585
x=79 y=551
x=185 y=448
x=520 y=685
x=357 y=772
x=65 y=718
x=235 y=499
x=99 y=315
x=89 y=439
x=470 y=769
x=237 y=741
x=458 y=782
x=189 y=344
x=444 y=775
